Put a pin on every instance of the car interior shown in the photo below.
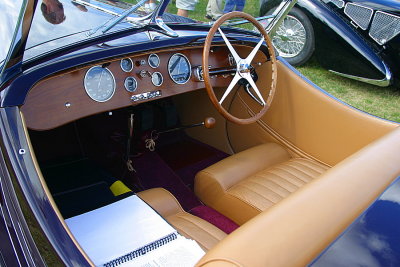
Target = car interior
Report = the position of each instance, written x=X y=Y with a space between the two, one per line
x=158 y=135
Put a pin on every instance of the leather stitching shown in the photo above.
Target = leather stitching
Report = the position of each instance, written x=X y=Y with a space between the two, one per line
x=264 y=197
x=275 y=176
x=242 y=200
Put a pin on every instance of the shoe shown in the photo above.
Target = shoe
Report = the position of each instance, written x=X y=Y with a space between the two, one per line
x=208 y=17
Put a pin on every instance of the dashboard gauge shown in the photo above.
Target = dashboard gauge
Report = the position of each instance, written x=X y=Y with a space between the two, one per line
x=130 y=84
x=179 y=68
x=127 y=64
x=154 y=61
x=99 y=84
x=157 y=78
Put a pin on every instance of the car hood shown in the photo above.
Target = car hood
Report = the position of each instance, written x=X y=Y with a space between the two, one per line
x=31 y=28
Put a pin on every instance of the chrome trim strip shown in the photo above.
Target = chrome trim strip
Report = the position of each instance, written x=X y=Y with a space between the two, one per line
x=382 y=83
x=353 y=4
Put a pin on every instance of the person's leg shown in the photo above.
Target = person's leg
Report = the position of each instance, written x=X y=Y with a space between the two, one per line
x=215 y=8
x=240 y=5
x=229 y=6
x=184 y=6
x=182 y=12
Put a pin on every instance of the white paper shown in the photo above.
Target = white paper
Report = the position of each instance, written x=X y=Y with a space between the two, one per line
x=181 y=252
x=117 y=229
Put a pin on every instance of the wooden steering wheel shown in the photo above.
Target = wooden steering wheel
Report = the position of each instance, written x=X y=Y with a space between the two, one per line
x=243 y=68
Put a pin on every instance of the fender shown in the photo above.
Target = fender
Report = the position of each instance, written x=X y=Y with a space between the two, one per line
x=340 y=49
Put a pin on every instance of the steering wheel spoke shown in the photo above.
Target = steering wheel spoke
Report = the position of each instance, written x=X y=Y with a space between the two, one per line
x=251 y=56
x=230 y=47
x=255 y=88
x=234 y=81
x=242 y=69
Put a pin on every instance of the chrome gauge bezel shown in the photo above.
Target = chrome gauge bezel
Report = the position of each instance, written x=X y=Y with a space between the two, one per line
x=157 y=73
x=86 y=89
x=125 y=84
x=190 y=68
x=122 y=68
x=149 y=62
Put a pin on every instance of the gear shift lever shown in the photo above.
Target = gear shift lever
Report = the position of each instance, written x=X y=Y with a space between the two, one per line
x=208 y=122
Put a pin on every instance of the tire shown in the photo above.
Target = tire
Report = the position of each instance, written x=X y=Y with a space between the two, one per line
x=295 y=28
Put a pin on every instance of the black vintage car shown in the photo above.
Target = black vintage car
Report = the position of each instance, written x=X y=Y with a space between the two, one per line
x=134 y=137
x=356 y=39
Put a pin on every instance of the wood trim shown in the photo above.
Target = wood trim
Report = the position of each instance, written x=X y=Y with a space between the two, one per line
x=45 y=107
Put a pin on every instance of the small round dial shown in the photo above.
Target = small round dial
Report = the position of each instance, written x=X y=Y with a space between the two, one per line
x=157 y=78
x=179 y=68
x=127 y=64
x=99 y=84
x=154 y=61
x=130 y=84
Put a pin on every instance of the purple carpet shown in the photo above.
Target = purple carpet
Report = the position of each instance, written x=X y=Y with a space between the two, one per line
x=154 y=172
x=214 y=217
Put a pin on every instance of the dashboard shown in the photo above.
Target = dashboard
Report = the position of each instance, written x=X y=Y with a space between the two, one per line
x=119 y=82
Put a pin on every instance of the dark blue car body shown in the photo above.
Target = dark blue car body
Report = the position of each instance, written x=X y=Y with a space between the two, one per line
x=368 y=53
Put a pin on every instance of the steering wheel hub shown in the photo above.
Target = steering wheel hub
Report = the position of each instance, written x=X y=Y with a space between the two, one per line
x=243 y=67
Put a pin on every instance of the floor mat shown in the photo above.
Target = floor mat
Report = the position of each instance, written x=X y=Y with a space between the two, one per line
x=187 y=157
x=214 y=217
x=154 y=172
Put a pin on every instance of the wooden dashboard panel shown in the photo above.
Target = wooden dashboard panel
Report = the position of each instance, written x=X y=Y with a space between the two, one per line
x=61 y=99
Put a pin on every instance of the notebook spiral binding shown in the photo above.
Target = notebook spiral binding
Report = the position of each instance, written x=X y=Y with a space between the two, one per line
x=141 y=251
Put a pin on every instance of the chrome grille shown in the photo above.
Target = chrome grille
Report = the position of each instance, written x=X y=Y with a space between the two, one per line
x=360 y=15
x=338 y=3
x=384 y=27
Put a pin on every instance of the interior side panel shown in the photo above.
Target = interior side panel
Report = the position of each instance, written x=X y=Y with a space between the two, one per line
x=193 y=108
x=306 y=120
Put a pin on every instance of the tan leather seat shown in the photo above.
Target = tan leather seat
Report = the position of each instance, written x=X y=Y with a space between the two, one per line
x=244 y=184
x=206 y=234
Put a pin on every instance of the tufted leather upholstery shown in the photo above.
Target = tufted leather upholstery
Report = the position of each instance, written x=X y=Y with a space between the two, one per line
x=243 y=185
x=206 y=234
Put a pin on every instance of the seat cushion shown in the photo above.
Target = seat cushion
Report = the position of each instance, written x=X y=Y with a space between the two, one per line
x=244 y=184
x=188 y=225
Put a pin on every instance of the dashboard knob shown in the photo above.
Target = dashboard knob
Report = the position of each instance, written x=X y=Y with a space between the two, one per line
x=209 y=122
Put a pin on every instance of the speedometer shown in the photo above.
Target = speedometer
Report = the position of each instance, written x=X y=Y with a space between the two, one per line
x=99 y=84
x=179 y=68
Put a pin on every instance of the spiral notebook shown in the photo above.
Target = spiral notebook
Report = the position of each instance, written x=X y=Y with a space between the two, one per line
x=130 y=233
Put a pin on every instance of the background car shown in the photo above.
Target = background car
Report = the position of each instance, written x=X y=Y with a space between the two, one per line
x=144 y=117
x=355 y=39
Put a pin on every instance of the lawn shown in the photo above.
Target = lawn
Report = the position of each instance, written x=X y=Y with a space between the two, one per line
x=382 y=102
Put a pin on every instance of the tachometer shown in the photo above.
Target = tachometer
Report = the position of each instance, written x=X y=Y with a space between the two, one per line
x=179 y=68
x=99 y=84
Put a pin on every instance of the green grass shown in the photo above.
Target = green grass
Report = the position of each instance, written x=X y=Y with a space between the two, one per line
x=380 y=101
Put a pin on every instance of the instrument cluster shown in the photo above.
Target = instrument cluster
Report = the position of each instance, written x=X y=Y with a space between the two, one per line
x=100 y=83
